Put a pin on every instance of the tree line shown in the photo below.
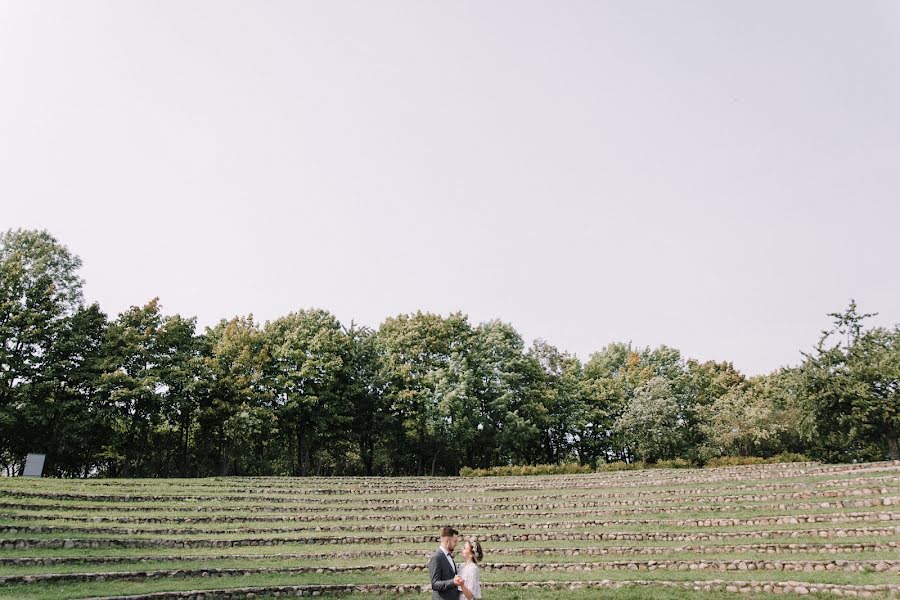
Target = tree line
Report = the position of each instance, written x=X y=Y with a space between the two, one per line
x=145 y=394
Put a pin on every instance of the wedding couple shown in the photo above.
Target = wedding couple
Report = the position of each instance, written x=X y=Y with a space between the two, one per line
x=449 y=582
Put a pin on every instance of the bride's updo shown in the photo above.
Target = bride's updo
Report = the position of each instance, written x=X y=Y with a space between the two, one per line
x=477 y=551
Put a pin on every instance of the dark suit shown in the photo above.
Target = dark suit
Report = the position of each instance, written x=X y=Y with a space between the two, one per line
x=442 y=574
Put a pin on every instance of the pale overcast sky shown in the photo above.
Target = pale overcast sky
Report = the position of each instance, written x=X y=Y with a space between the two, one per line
x=715 y=176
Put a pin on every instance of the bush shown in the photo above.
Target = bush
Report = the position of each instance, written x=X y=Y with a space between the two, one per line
x=621 y=465
x=520 y=470
x=738 y=461
x=675 y=463
x=734 y=461
x=787 y=457
x=638 y=465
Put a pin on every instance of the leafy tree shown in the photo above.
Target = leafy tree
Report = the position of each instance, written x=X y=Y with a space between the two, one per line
x=609 y=380
x=309 y=349
x=851 y=383
x=743 y=421
x=707 y=383
x=153 y=363
x=508 y=387
x=562 y=399
x=365 y=391
x=72 y=421
x=39 y=290
x=652 y=426
x=603 y=403
x=415 y=357
x=236 y=415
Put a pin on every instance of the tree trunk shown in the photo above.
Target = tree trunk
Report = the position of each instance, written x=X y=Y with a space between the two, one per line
x=893 y=446
x=307 y=462
x=299 y=469
x=366 y=453
x=185 y=429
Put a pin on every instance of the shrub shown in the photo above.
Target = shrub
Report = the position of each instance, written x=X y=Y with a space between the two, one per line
x=734 y=461
x=675 y=463
x=620 y=465
x=738 y=461
x=787 y=457
x=520 y=470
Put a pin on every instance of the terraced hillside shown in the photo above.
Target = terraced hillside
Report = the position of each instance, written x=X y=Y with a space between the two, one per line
x=794 y=528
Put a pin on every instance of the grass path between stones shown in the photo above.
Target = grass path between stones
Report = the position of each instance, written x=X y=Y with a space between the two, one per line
x=721 y=528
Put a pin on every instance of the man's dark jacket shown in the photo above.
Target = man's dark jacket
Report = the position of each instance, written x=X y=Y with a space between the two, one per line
x=442 y=575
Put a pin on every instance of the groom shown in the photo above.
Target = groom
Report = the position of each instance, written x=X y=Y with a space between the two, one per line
x=444 y=580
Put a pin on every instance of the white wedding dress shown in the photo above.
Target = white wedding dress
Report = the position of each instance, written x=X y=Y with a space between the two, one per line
x=471 y=575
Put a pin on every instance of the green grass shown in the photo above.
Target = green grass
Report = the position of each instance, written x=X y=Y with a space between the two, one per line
x=18 y=517
x=476 y=505
x=631 y=593
x=81 y=590
x=304 y=548
x=262 y=561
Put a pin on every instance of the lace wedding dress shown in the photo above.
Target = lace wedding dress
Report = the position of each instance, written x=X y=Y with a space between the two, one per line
x=472 y=577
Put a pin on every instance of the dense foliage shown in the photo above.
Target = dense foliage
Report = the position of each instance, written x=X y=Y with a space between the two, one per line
x=147 y=394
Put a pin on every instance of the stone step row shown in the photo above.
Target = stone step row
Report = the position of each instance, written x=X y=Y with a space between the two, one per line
x=38 y=543
x=807 y=566
x=412 y=481
x=698 y=503
x=446 y=517
x=836 y=497
x=807 y=468
x=830 y=549
x=375 y=486
x=710 y=585
x=298 y=499
x=844 y=517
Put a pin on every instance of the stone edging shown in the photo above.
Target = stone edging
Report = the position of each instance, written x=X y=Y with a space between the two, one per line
x=808 y=566
x=842 y=517
x=424 y=553
x=775 y=587
x=23 y=543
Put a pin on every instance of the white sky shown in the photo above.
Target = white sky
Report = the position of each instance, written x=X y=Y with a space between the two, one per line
x=715 y=176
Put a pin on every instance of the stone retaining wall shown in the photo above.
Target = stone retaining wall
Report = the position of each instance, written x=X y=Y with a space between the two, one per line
x=807 y=566
x=12 y=543
x=298 y=499
x=442 y=518
x=846 y=517
x=699 y=503
x=287 y=482
x=425 y=553
x=774 y=587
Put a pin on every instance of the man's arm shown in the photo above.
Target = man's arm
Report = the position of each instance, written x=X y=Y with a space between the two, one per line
x=434 y=569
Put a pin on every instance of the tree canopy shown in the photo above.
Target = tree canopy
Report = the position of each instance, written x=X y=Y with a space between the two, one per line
x=147 y=394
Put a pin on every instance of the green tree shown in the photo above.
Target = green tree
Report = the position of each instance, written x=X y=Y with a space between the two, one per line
x=237 y=428
x=365 y=391
x=72 y=422
x=415 y=356
x=609 y=380
x=508 y=388
x=309 y=349
x=603 y=403
x=651 y=425
x=743 y=421
x=39 y=291
x=850 y=385
x=562 y=400
x=152 y=369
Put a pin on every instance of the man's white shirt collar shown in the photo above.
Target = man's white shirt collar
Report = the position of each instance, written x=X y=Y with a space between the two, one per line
x=449 y=558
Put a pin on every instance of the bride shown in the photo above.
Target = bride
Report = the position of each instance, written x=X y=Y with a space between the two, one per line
x=471 y=587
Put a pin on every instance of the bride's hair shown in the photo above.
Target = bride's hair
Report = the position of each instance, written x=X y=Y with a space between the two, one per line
x=477 y=551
